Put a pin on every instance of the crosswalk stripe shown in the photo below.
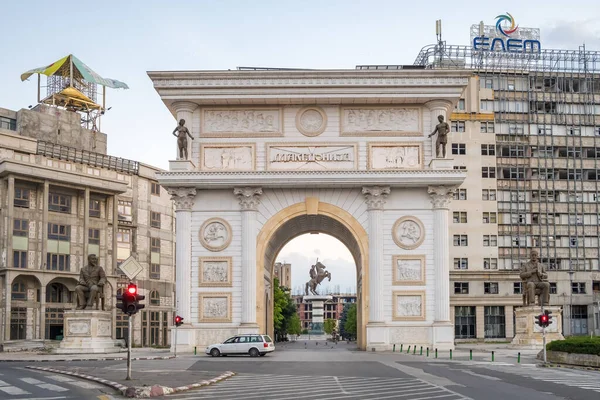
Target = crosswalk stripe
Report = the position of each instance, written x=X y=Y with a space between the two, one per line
x=70 y=381
x=54 y=388
x=13 y=390
x=31 y=381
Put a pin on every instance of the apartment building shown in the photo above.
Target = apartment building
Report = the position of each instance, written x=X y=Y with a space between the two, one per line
x=333 y=308
x=528 y=132
x=62 y=197
x=283 y=272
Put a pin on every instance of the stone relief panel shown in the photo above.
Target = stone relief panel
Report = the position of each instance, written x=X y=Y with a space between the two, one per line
x=104 y=328
x=228 y=157
x=408 y=270
x=409 y=335
x=303 y=157
x=408 y=306
x=79 y=327
x=215 y=234
x=242 y=122
x=408 y=232
x=311 y=121
x=215 y=307
x=395 y=156
x=380 y=121
x=215 y=271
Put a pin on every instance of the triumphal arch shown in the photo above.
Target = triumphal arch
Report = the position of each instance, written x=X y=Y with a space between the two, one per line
x=279 y=153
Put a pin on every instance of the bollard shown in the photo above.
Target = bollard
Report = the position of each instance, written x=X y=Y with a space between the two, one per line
x=194 y=350
x=519 y=358
x=421 y=352
x=401 y=345
x=492 y=356
x=415 y=350
x=408 y=351
x=428 y=352
x=435 y=353
x=471 y=355
x=394 y=349
x=451 y=354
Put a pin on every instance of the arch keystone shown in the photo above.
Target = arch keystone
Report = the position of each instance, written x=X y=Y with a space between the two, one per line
x=312 y=205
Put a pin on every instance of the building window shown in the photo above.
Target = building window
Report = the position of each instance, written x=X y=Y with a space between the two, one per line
x=487 y=127
x=488 y=150
x=487 y=105
x=459 y=167
x=155 y=188
x=461 y=263
x=489 y=218
x=21 y=197
x=573 y=241
x=58 y=293
x=578 y=287
x=8 y=123
x=461 y=287
x=460 y=194
x=459 y=148
x=59 y=203
x=19 y=291
x=546 y=152
x=459 y=217
x=122 y=326
x=154 y=219
x=490 y=263
x=597 y=131
x=95 y=208
x=457 y=126
x=464 y=322
x=516 y=129
x=490 y=287
x=154 y=271
x=21 y=227
x=553 y=288
x=124 y=236
x=58 y=262
x=572 y=131
x=154 y=298
x=488 y=172
x=490 y=240
x=155 y=245
x=544 y=131
x=94 y=236
x=461 y=240
x=579 y=315
x=461 y=105
x=517 y=287
x=495 y=322
x=59 y=232
x=510 y=84
x=574 y=174
x=19 y=259
x=124 y=211
x=488 y=194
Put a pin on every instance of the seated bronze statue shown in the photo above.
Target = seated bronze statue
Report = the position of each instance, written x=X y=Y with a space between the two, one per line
x=535 y=281
x=90 y=288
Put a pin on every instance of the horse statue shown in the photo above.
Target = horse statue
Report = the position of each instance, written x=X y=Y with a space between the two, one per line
x=317 y=275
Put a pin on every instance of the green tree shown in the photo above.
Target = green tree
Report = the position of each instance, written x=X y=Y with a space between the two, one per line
x=329 y=326
x=350 y=323
x=343 y=320
x=283 y=309
x=295 y=326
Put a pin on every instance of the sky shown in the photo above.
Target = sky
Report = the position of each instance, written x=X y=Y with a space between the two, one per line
x=125 y=39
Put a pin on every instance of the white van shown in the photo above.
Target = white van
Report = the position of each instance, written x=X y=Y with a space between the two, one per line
x=254 y=345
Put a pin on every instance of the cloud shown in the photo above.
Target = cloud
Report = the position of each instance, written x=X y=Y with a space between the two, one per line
x=572 y=34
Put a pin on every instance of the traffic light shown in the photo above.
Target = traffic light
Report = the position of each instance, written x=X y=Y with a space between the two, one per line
x=548 y=317
x=538 y=320
x=544 y=320
x=178 y=320
x=129 y=300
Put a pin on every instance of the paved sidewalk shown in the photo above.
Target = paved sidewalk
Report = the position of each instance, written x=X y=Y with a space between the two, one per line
x=144 y=353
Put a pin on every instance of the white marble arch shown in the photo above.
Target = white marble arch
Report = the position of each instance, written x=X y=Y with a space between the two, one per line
x=363 y=204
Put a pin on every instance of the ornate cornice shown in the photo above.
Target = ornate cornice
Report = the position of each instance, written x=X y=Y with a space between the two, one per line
x=183 y=198
x=249 y=197
x=375 y=196
x=441 y=196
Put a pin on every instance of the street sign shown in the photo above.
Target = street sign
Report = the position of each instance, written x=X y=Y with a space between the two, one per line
x=131 y=268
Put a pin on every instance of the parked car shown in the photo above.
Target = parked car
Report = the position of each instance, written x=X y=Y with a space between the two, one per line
x=254 y=345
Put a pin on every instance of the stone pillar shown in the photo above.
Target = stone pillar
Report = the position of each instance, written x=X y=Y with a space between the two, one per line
x=375 y=199
x=184 y=110
x=184 y=200
x=45 y=225
x=9 y=222
x=441 y=197
x=115 y=229
x=437 y=108
x=249 y=198
x=7 y=304
x=42 y=311
x=86 y=226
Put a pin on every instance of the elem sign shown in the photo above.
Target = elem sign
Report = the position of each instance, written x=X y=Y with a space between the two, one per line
x=505 y=36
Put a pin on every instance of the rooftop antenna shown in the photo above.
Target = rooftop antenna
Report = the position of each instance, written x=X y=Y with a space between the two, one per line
x=438 y=30
x=481 y=28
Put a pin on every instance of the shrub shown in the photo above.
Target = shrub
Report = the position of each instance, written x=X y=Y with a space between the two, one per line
x=576 y=345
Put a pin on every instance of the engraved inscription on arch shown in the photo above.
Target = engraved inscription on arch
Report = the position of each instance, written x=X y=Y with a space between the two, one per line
x=380 y=121
x=250 y=122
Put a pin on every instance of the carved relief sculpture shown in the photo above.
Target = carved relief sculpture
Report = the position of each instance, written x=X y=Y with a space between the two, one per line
x=311 y=121
x=215 y=234
x=409 y=305
x=381 y=121
x=215 y=307
x=395 y=156
x=242 y=122
x=227 y=157
x=215 y=271
x=409 y=270
x=408 y=232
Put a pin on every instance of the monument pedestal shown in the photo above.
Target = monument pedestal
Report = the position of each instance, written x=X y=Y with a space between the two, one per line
x=181 y=165
x=529 y=334
x=88 y=331
x=441 y=163
x=318 y=302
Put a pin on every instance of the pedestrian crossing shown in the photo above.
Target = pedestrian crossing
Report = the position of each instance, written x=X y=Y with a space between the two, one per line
x=281 y=387
x=56 y=384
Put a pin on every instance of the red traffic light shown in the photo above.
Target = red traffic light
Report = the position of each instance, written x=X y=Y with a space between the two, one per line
x=543 y=318
x=178 y=320
x=132 y=288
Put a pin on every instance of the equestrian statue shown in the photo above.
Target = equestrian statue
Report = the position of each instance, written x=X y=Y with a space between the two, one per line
x=317 y=275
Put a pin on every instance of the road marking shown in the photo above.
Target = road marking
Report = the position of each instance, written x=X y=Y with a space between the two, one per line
x=2 y=383
x=466 y=371
x=52 y=387
x=81 y=384
x=13 y=390
x=335 y=378
x=31 y=381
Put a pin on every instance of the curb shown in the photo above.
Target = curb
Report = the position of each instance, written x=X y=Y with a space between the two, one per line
x=138 y=392
x=90 y=359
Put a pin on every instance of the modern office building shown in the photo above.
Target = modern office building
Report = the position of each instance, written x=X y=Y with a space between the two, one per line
x=527 y=130
x=62 y=197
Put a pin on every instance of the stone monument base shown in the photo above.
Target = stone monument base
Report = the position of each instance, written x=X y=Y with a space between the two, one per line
x=529 y=334
x=181 y=166
x=317 y=302
x=441 y=163
x=88 y=331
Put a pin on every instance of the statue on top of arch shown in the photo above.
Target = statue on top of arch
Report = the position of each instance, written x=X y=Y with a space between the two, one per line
x=317 y=275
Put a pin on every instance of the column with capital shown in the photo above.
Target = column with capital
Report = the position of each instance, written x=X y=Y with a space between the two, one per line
x=184 y=110
x=375 y=197
x=441 y=196
x=184 y=201
x=249 y=198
